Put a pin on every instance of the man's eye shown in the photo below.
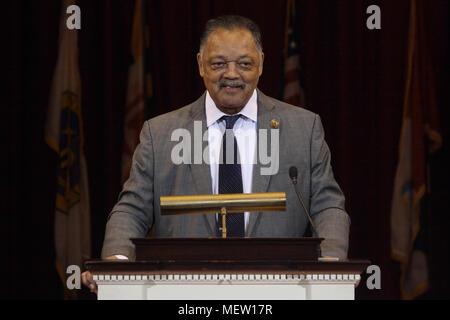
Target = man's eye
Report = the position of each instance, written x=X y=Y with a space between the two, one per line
x=218 y=64
x=245 y=64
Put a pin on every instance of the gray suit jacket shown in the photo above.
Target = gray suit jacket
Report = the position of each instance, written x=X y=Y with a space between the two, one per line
x=153 y=174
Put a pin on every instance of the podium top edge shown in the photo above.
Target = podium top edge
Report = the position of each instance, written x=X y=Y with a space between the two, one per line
x=229 y=239
x=284 y=266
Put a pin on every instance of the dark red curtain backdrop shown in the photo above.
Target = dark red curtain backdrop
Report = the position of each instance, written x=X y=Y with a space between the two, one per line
x=353 y=78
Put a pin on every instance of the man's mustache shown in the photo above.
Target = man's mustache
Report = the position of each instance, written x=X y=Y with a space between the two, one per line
x=232 y=84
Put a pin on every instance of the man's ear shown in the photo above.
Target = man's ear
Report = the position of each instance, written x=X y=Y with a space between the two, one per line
x=261 y=64
x=200 y=64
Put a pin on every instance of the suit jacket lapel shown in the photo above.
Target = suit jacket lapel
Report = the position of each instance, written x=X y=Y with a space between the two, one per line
x=265 y=116
x=201 y=173
x=260 y=182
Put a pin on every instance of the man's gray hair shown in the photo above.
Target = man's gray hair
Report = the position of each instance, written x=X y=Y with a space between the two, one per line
x=231 y=22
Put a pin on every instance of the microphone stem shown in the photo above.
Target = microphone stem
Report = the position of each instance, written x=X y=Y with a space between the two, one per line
x=309 y=218
x=306 y=211
x=313 y=227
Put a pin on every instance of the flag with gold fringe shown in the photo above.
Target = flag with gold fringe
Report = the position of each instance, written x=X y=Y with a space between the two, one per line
x=140 y=86
x=293 y=92
x=64 y=134
x=420 y=136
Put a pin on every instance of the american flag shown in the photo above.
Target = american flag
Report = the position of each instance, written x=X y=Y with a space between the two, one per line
x=293 y=92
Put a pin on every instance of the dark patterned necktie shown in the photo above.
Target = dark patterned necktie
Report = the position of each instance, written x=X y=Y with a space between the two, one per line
x=230 y=177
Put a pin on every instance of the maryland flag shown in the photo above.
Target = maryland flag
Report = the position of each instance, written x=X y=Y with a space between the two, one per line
x=293 y=92
x=419 y=138
x=64 y=134
x=140 y=86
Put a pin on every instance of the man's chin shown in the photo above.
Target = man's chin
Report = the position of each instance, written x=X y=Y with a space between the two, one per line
x=231 y=109
x=233 y=101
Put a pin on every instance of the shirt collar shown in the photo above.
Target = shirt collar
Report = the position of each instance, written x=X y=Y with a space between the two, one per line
x=213 y=113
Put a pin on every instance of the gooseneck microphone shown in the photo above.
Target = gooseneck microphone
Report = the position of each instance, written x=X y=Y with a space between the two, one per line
x=293 y=173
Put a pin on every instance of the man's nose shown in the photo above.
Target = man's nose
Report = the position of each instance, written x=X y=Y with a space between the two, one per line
x=231 y=71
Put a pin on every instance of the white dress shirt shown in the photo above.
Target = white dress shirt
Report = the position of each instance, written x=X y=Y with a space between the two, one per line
x=245 y=133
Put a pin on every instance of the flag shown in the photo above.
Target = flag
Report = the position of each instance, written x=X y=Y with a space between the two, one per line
x=420 y=136
x=140 y=86
x=292 y=92
x=64 y=134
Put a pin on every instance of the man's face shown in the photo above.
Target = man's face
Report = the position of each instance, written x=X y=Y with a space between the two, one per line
x=230 y=66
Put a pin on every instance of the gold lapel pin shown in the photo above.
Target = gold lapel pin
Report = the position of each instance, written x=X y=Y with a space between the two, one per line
x=274 y=124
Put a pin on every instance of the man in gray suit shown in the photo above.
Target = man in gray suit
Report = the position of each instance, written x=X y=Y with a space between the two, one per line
x=230 y=62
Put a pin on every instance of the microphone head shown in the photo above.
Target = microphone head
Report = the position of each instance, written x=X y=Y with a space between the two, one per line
x=293 y=173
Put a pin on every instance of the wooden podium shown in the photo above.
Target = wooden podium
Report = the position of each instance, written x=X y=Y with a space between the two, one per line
x=226 y=269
